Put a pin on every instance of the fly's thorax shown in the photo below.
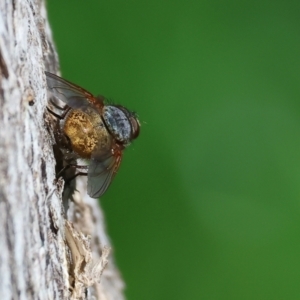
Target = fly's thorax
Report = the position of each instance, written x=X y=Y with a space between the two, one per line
x=121 y=123
x=86 y=131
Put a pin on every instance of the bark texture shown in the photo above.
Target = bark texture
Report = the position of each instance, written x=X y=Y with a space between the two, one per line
x=46 y=251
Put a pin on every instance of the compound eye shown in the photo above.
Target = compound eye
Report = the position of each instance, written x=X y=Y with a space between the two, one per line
x=135 y=126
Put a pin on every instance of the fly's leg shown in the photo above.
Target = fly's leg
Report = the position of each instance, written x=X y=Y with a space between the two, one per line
x=75 y=175
x=65 y=110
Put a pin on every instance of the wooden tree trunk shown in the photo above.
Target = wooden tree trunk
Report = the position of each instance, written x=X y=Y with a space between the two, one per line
x=46 y=252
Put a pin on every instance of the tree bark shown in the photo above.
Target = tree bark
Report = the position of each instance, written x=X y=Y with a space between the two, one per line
x=47 y=252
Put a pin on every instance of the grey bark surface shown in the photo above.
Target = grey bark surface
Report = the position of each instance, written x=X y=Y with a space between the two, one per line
x=45 y=251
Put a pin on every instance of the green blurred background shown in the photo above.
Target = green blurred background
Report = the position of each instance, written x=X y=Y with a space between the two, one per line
x=206 y=204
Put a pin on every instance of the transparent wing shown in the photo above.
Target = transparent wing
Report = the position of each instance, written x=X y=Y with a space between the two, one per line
x=101 y=173
x=70 y=93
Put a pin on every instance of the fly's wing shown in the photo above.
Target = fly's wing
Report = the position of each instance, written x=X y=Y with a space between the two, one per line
x=70 y=93
x=102 y=171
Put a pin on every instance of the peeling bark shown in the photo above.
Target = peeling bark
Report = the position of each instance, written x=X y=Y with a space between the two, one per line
x=46 y=252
